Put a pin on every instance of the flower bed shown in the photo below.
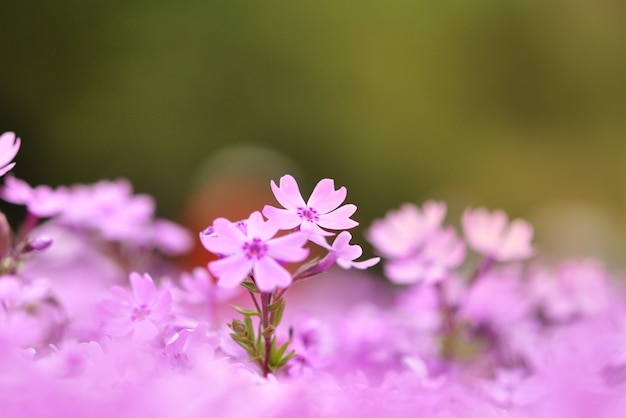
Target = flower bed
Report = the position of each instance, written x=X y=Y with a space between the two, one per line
x=95 y=322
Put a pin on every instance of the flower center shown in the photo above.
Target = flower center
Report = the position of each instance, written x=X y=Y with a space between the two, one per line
x=140 y=313
x=255 y=249
x=308 y=214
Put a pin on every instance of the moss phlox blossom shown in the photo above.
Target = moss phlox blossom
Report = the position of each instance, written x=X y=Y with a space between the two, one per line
x=140 y=312
x=254 y=252
x=322 y=211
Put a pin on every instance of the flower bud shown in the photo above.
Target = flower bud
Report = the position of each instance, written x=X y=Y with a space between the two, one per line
x=37 y=244
x=239 y=327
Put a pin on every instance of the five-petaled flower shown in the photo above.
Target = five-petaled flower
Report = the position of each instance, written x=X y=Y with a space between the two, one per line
x=322 y=210
x=9 y=146
x=255 y=251
x=140 y=312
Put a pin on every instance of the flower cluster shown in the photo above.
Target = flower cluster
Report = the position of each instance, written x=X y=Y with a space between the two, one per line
x=251 y=245
x=96 y=320
x=253 y=255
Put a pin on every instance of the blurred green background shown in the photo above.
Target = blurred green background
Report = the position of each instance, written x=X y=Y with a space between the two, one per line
x=518 y=105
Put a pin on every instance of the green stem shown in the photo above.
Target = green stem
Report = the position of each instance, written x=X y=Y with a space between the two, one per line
x=448 y=327
x=265 y=318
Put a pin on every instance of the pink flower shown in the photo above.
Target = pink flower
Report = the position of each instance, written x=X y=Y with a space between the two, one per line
x=576 y=288
x=254 y=250
x=344 y=254
x=110 y=208
x=416 y=246
x=320 y=211
x=140 y=312
x=491 y=235
x=440 y=254
x=9 y=146
x=169 y=237
x=42 y=201
x=402 y=232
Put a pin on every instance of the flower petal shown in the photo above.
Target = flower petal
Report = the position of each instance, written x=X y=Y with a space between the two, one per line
x=143 y=288
x=16 y=190
x=516 y=243
x=339 y=219
x=9 y=146
x=342 y=241
x=232 y=270
x=288 y=194
x=145 y=331
x=254 y=225
x=361 y=265
x=314 y=231
x=160 y=309
x=227 y=238
x=118 y=327
x=286 y=219
x=325 y=198
x=268 y=275
x=288 y=248
x=259 y=228
x=6 y=169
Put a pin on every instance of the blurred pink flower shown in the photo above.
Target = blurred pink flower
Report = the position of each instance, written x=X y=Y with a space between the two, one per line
x=401 y=232
x=42 y=201
x=9 y=146
x=498 y=298
x=107 y=207
x=140 y=312
x=320 y=211
x=439 y=255
x=491 y=235
x=254 y=251
x=576 y=288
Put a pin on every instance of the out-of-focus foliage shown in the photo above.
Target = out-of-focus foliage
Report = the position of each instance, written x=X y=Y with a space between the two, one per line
x=514 y=104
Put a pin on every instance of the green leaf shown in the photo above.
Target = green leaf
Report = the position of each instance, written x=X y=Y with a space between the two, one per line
x=285 y=359
x=255 y=359
x=260 y=346
x=273 y=351
x=251 y=287
x=277 y=353
x=246 y=312
x=249 y=328
x=282 y=349
x=277 y=316
x=244 y=343
x=276 y=305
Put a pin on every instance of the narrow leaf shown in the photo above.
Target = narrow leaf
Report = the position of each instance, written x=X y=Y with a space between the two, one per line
x=276 y=305
x=250 y=286
x=247 y=312
x=249 y=328
x=285 y=359
x=277 y=316
x=282 y=349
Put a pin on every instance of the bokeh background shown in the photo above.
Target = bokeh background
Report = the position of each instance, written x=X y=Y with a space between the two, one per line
x=516 y=104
